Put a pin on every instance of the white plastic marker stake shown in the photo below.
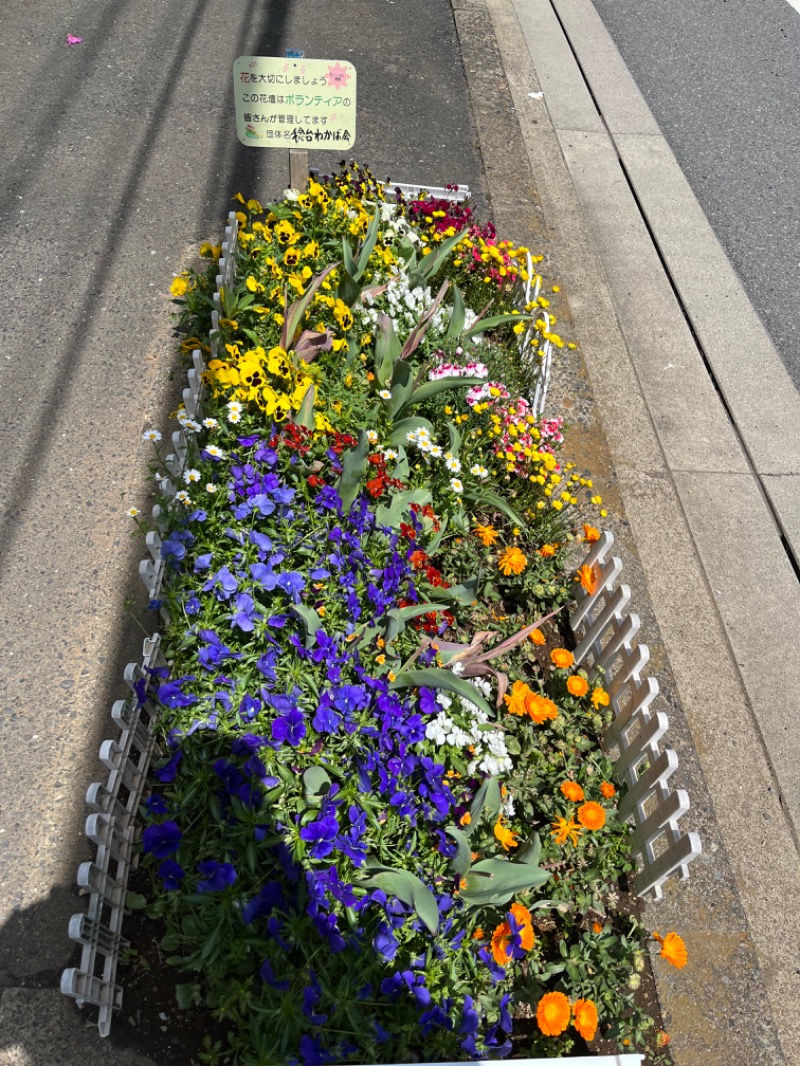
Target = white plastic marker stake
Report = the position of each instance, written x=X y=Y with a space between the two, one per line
x=539 y=96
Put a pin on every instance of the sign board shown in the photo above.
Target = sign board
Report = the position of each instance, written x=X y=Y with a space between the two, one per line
x=295 y=103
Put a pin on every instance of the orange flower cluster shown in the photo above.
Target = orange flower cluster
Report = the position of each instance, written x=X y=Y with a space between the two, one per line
x=487 y=535
x=501 y=937
x=538 y=637
x=600 y=698
x=554 y=1012
x=523 y=700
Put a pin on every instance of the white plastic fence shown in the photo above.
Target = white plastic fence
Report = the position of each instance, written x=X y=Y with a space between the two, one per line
x=605 y=630
x=112 y=827
x=601 y=626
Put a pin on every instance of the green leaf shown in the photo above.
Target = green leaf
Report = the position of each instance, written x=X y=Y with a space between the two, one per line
x=170 y=942
x=433 y=388
x=135 y=901
x=488 y=798
x=402 y=385
x=465 y=593
x=446 y=679
x=316 y=785
x=410 y=890
x=487 y=498
x=187 y=995
x=311 y=620
x=367 y=247
x=462 y=860
x=348 y=290
x=354 y=466
x=455 y=439
x=430 y=264
x=305 y=416
x=485 y=324
x=532 y=852
x=396 y=511
x=387 y=350
x=458 y=316
x=494 y=881
x=348 y=258
x=293 y=315
x=401 y=429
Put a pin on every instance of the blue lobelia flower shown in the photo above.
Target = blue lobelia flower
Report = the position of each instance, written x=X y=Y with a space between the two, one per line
x=171 y=694
x=162 y=840
x=167 y=773
x=245 y=614
x=470 y=1019
x=216 y=876
x=267 y=975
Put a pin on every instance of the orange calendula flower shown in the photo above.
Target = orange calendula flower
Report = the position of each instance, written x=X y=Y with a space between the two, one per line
x=538 y=637
x=465 y=818
x=486 y=534
x=588 y=578
x=523 y=916
x=572 y=791
x=600 y=698
x=597 y=927
x=591 y=815
x=540 y=708
x=506 y=836
x=564 y=830
x=673 y=949
x=547 y=550
x=577 y=685
x=516 y=701
x=562 y=658
x=585 y=1018
x=607 y=790
x=512 y=561
x=590 y=534
x=553 y=1013
x=478 y=934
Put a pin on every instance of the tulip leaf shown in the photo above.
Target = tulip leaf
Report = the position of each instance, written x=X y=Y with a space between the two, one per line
x=486 y=498
x=493 y=882
x=396 y=511
x=354 y=466
x=433 y=678
x=462 y=860
x=433 y=388
x=458 y=316
x=408 y=888
x=401 y=429
x=488 y=798
x=485 y=324
x=316 y=785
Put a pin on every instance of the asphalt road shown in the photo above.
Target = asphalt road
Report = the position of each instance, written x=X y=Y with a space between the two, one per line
x=119 y=156
x=722 y=78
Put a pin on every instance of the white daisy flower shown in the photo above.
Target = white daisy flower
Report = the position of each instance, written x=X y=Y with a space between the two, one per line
x=183 y=497
x=211 y=423
x=191 y=475
x=212 y=486
x=456 y=485
x=385 y=394
x=132 y=512
x=214 y=451
x=190 y=426
x=436 y=451
x=479 y=471
x=372 y=436
x=151 y=435
x=389 y=454
x=452 y=464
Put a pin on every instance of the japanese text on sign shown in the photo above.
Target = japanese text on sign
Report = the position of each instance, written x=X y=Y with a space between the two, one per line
x=285 y=103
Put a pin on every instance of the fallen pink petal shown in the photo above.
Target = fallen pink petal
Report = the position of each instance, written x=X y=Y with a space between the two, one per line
x=74 y=40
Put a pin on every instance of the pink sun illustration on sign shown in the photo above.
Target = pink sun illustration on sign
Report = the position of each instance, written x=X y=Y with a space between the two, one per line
x=337 y=76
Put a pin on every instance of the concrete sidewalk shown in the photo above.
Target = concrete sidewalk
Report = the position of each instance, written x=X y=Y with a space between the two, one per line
x=695 y=427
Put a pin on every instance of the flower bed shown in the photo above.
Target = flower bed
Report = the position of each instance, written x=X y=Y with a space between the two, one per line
x=384 y=823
